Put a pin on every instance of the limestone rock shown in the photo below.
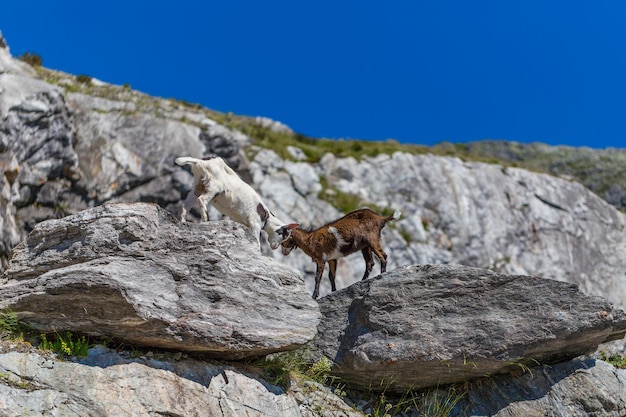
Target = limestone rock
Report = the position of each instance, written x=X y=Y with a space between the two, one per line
x=318 y=400
x=578 y=388
x=133 y=272
x=423 y=326
x=36 y=137
x=36 y=384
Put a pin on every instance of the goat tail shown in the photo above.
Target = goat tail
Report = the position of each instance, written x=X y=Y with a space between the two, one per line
x=186 y=160
x=395 y=216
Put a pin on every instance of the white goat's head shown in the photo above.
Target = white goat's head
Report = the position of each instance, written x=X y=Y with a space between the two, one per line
x=275 y=239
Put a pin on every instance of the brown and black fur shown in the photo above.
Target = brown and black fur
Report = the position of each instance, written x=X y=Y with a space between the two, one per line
x=359 y=230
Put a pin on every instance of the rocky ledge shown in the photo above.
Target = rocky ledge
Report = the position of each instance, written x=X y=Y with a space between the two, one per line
x=134 y=273
x=430 y=325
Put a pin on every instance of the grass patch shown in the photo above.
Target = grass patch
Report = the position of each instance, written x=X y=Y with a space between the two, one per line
x=617 y=361
x=346 y=202
x=31 y=58
x=9 y=324
x=280 y=368
x=83 y=79
x=440 y=403
x=11 y=328
x=435 y=402
x=313 y=148
x=65 y=344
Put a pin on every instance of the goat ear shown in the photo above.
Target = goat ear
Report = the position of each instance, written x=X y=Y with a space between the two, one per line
x=286 y=228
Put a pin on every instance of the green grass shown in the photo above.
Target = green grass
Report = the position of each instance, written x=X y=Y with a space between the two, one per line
x=31 y=58
x=436 y=402
x=279 y=368
x=11 y=328
x=617 y=361
x=65 y=344
x=440 y=403
x=346 y=202
x=9 y=325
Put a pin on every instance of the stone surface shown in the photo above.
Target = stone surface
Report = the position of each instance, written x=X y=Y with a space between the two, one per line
x=36 y=136
x=133 y=272
x=36 y=384
x=578 y=388
x=108 y=383
x=316 y=400
x=424 y=326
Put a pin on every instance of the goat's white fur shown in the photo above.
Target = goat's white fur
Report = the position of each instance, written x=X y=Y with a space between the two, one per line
x=336 y=253
x=218 y=184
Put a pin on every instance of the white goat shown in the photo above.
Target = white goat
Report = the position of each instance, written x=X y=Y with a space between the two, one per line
x=217 y=183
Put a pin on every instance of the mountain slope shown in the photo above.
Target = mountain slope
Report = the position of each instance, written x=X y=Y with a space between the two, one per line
x=71 y=142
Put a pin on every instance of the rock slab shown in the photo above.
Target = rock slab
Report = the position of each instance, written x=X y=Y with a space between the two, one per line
x=35 y=384
x=429 y=325
x=134 y=273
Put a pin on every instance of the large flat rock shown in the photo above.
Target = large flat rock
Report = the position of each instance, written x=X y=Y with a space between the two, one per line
x=423 y=326
x=134 y=273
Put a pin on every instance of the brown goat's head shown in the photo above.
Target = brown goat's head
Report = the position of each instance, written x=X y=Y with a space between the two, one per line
x=287 y=243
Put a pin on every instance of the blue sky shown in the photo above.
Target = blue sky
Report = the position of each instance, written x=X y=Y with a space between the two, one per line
x=415 y=71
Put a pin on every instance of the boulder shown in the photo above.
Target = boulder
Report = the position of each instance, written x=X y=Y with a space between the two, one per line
x=134 y=273
x=430 y=325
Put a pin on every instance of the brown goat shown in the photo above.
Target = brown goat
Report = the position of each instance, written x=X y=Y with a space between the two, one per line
x=357 y=230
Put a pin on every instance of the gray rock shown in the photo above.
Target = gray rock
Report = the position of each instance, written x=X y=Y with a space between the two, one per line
x=273 y=125
x=316 y=400
x=36 y=146
x=36 y=384
x=578 y=388
x=133 y=272
x=121 y=152
x=423 y=326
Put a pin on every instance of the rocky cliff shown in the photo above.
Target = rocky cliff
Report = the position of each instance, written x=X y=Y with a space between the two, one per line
x=70 y=144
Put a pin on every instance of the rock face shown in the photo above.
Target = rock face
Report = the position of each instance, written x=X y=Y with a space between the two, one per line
x=108 y=385
x=35 y=143
x=40 y=385
x=424 y=326
x=505 y=219
x=134 y=273
x=574 y=389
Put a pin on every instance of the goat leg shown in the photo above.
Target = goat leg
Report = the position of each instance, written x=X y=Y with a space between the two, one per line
x=318 y=278
x=203 y=201
x=369 y=261
x=332 y=268
x=382 y=257
x=187 y=204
